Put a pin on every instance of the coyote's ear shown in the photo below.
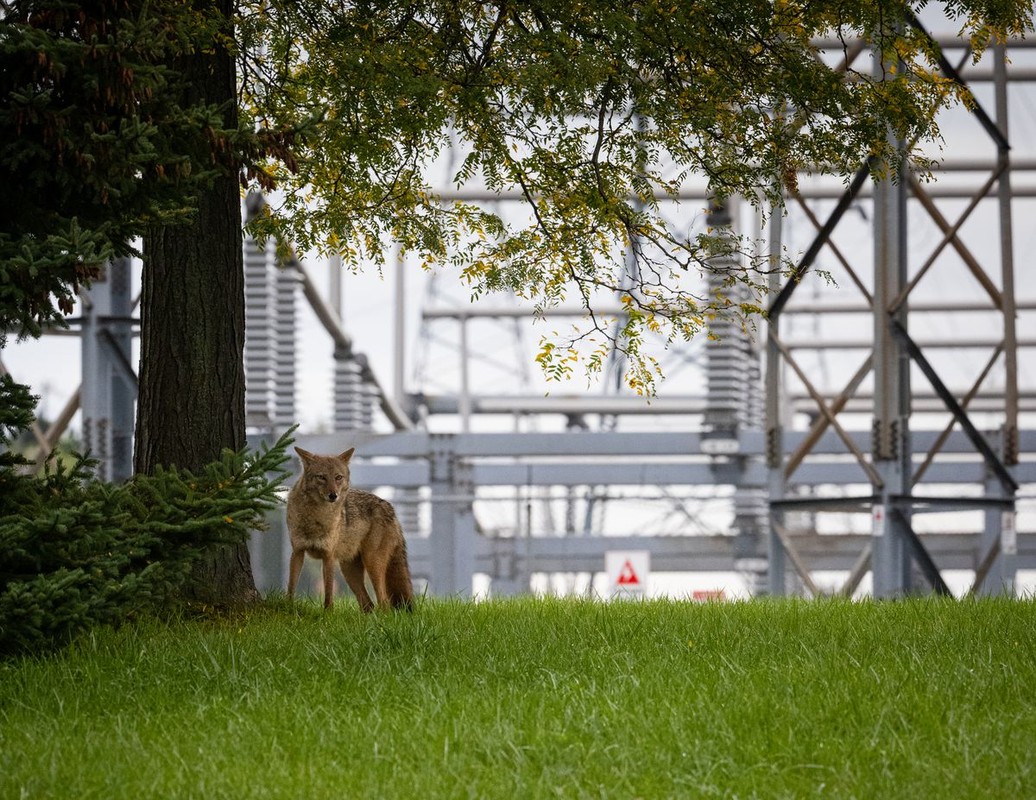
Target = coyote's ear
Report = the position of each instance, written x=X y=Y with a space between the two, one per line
x=305 y=455
x=347 y=454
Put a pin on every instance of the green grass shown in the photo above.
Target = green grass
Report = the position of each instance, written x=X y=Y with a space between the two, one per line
x=536 y=698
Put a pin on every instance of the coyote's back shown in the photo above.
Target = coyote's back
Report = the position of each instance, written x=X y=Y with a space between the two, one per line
x=332 y=522
x=372 y=536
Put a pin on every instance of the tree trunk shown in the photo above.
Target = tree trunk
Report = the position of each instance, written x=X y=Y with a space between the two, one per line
x=191 y=402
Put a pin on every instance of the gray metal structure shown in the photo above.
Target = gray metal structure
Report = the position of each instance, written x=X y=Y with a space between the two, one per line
x=107 y=399
x=859 y=455
x=894 y=493
x=456 y=473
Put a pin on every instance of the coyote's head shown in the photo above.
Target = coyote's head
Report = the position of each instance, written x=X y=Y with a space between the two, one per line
x=325 y=476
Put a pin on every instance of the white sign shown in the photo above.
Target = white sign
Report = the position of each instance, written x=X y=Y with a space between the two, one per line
x=878 y=520
x=628 y=572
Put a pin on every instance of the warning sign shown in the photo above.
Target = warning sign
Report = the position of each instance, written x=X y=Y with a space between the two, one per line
x=628 y=575
x=627 y=572
x=878 y=520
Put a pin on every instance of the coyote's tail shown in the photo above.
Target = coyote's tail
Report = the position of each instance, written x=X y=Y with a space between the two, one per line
x=397 y=579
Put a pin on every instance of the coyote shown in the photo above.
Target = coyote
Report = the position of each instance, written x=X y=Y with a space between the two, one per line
x=333 y=522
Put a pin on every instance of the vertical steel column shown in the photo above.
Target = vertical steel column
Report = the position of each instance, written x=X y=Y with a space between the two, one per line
x=1002 y=574
x=124 y=379
x=1010 y=448
x=407 y=501
x=510 y=576
x=891 y=434
x=399 y=333
x=774 y=423
x=464 y=401
x=95 y=395
x=109 y=382
x=452 y=537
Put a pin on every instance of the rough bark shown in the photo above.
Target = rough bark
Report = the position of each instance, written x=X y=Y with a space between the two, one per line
x=192 y=384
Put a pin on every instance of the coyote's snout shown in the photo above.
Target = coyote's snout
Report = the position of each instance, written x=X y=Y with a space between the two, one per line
x=334 y=523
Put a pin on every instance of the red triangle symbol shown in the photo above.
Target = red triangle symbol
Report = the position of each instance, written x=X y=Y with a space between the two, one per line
x=627 y=577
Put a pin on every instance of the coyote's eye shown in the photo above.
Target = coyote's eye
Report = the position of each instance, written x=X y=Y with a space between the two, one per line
x=339 y=477
x=320 y=477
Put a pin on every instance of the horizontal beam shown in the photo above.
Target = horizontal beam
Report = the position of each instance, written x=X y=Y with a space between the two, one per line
x=754 y=477
x=853 y=503
x=946 y=41
x=416 y=475
x=570 y=405
x=488 y=311
x=635 y=459
x=940 y=343
x=922 y=402
x=959 y=551
x=808 y=190
x=626 y=445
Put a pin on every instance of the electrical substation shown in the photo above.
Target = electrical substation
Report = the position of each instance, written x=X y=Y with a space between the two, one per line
x=874 y=432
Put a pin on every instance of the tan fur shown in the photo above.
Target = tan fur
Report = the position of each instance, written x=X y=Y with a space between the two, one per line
x=332 y=522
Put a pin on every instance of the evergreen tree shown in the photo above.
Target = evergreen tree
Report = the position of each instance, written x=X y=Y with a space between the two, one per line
x=76 y=552
x=90 y=129
x=118 y=121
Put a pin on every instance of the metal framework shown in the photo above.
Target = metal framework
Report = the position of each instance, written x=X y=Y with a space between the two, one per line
x=794 y=492
x=892 y=471
x=454 y=476
x=108 y=399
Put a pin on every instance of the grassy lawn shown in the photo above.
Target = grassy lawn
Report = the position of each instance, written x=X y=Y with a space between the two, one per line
x=536 y=698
